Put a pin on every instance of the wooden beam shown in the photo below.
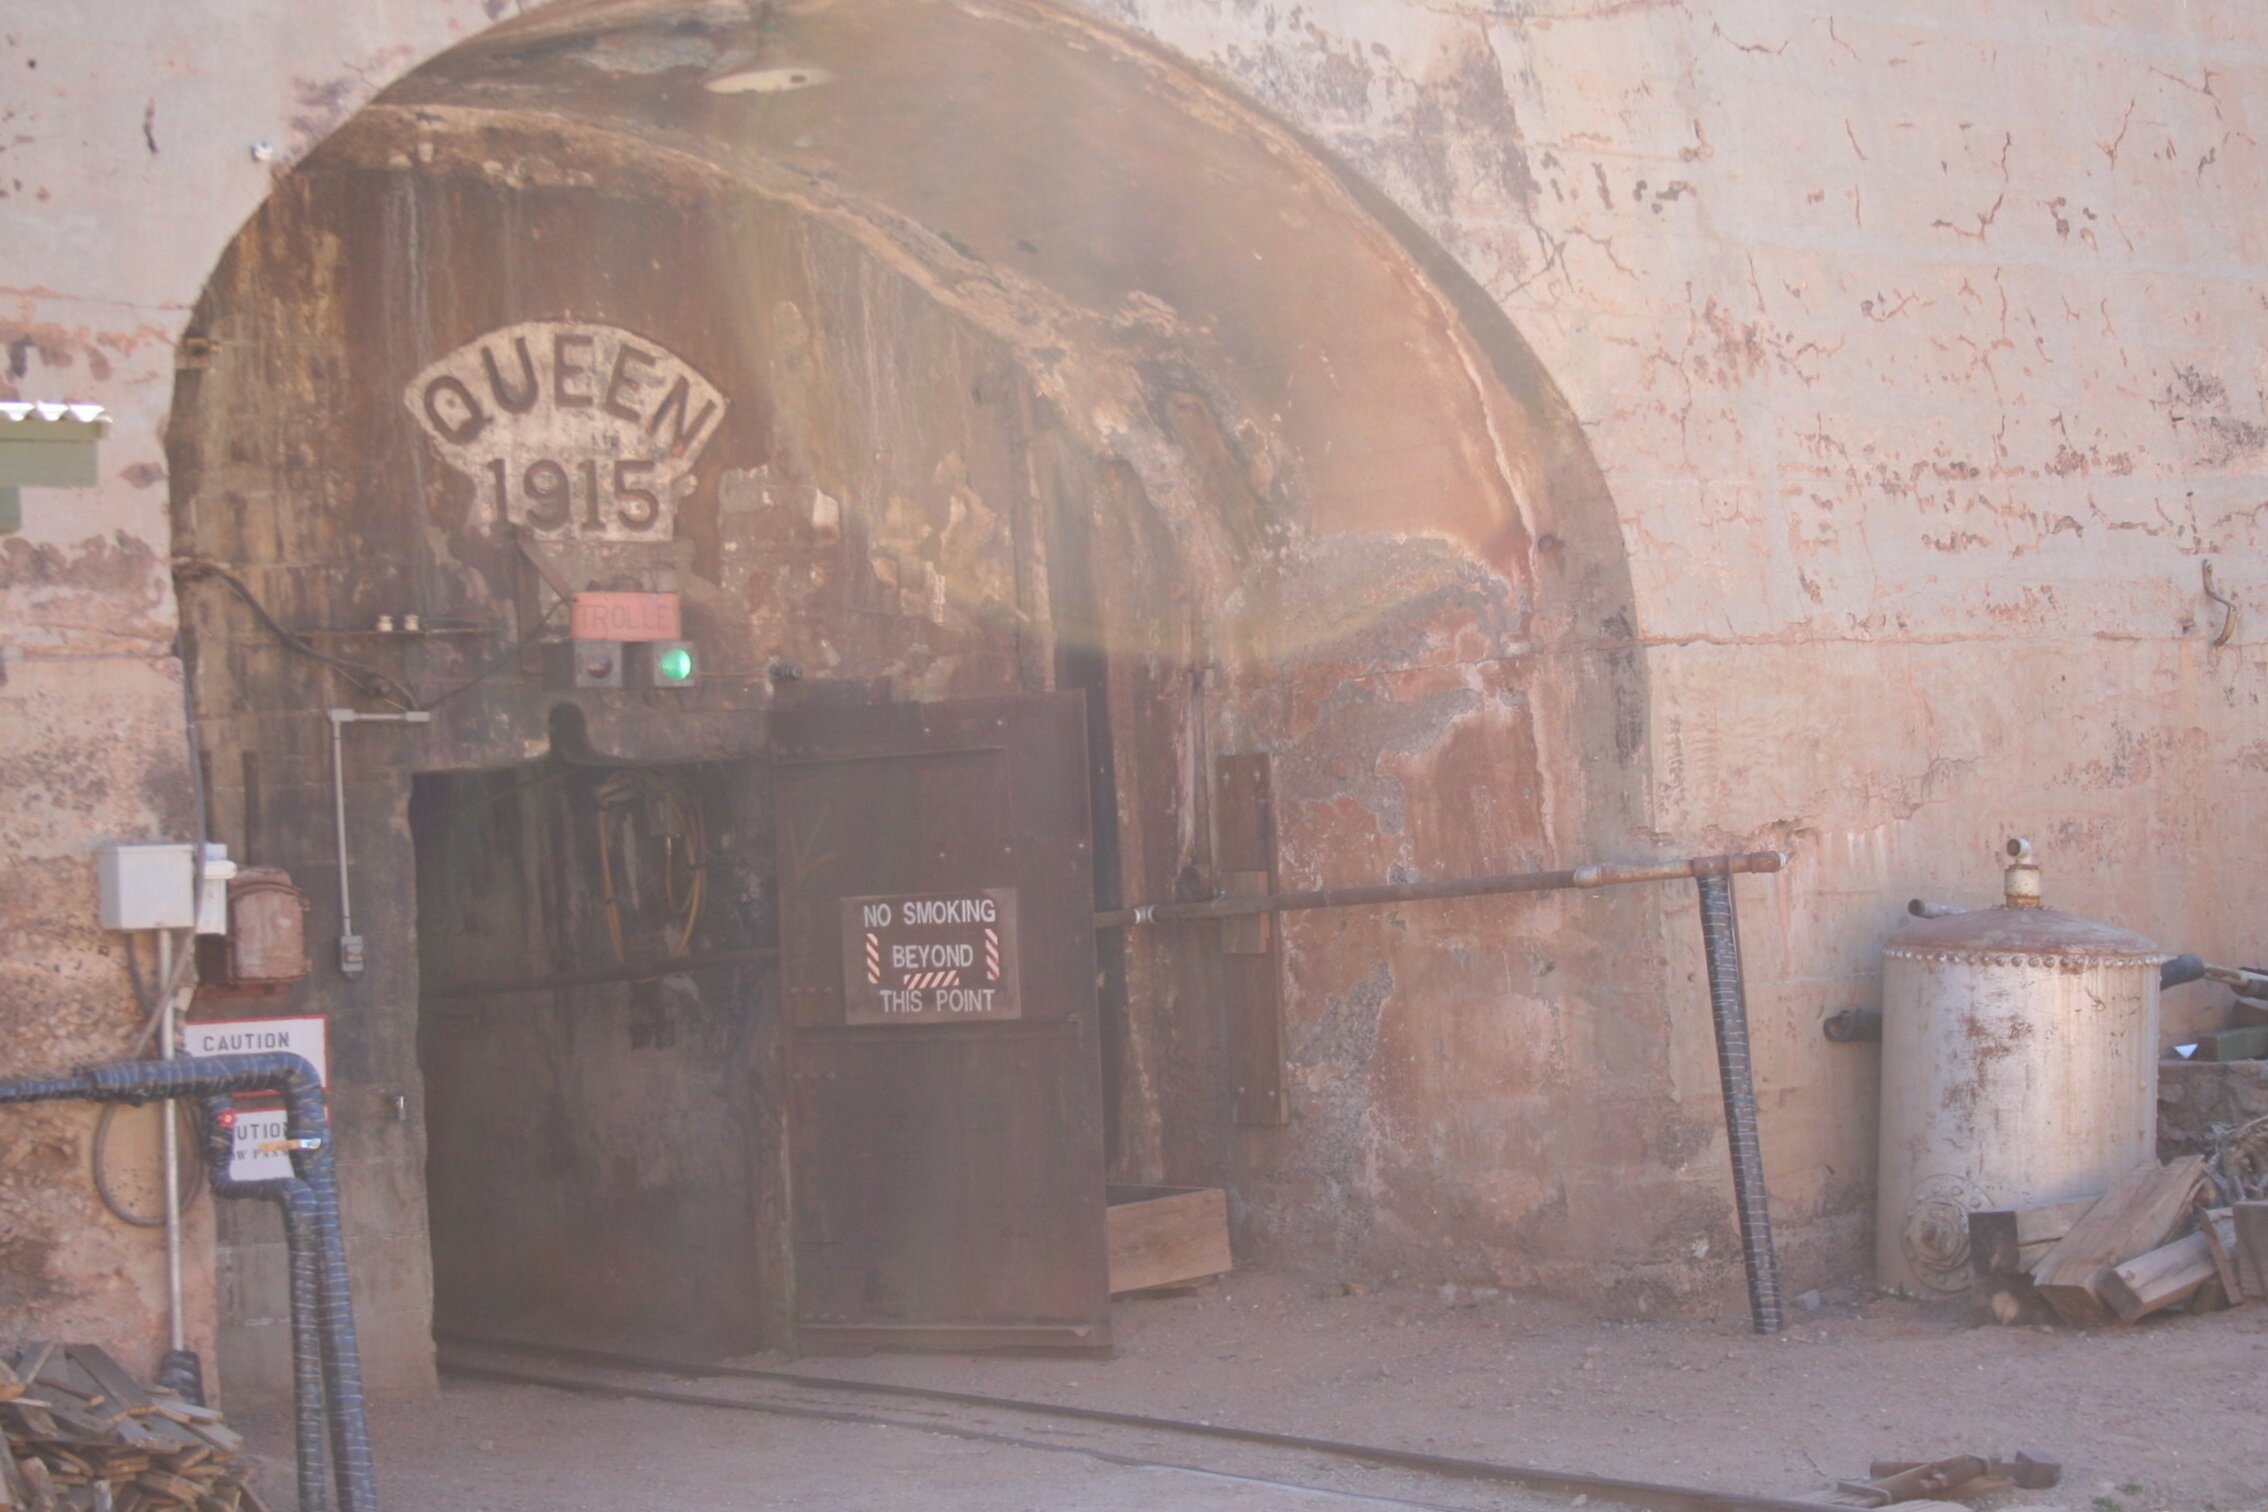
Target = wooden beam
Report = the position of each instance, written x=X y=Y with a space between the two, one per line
x=1166 y=1236
x=2155 y=1281
x=2218 y=1225
x=2252 y=1247
x=2142 y=1210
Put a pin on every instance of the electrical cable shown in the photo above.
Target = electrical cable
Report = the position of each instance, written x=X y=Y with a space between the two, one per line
x=98 y=1145
x=370 y=680
x=606 y=881
x=617 y=793
x=192 y=1176
x=380 y=685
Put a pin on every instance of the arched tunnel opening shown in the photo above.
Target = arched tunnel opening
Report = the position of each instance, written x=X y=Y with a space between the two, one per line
x=1058 y=477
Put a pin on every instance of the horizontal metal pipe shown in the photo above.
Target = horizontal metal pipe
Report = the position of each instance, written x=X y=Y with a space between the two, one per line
x=637 y=971
x=1923 y=908
x=1423 y=892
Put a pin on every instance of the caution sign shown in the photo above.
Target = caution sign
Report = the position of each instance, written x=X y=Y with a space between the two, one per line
x=255 y=1143
x=256 y=1120
x=945 y=958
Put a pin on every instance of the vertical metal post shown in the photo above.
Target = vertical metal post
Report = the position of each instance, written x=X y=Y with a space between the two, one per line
x=1728 y=1006
x=350 y=946
x=169 y=1143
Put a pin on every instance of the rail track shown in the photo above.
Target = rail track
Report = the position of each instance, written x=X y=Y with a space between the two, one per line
x=1364 y=1474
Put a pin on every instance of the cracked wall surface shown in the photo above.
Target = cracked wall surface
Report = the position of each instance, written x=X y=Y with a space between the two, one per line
x=1920 y=354
x=1917 y=353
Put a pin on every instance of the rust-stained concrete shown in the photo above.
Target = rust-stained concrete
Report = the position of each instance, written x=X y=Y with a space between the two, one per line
x=1916 y=354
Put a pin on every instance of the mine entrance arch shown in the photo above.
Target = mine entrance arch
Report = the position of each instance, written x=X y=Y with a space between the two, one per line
x=918 y=406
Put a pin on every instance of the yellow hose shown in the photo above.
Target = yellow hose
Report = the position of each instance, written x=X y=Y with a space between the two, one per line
x=692 y=827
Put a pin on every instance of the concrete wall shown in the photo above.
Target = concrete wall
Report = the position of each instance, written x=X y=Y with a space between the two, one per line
x=1922 y=356
x=116 y=200
x=1918 y=357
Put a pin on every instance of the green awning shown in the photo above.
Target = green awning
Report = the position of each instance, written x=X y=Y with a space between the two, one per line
x=45 y=446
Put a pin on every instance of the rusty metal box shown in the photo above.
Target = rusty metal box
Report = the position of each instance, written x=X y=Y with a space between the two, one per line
x=265 y=949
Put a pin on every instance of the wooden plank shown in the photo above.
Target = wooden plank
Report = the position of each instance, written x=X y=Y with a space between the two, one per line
x=110 y=1377
x=2252 y=1247
x=2010 y=1241
x=2166 y=1276
x=1244 y=819
x=1248 y=935
x=1166 y=1236
x=227 y=1440
x=2218 y=1227
x=2142 y=1210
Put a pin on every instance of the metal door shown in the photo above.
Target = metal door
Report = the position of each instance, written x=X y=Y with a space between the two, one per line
x=938 y=961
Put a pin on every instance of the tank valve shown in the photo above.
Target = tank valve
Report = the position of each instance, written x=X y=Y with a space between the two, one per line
x=2023 y=875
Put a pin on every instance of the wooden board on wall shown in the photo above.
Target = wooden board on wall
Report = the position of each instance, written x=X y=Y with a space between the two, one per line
x=1251 y=949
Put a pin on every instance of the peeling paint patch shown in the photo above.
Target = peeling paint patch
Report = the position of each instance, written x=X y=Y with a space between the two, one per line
x=2199 y=401
x=104 y=594
x=1354 y=730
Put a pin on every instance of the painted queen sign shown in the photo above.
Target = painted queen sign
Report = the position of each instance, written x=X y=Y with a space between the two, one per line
x=575 y=431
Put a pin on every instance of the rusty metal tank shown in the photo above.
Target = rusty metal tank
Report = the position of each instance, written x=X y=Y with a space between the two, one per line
x=2019 y=1066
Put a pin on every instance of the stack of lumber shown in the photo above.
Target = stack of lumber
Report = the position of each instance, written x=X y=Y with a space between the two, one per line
x=79 y=1434
x=2156 y=1240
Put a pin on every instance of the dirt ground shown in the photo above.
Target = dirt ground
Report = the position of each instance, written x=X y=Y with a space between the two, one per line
x=2171 y=1414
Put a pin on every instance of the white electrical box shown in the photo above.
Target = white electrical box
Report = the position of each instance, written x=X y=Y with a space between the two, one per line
x=147 y=886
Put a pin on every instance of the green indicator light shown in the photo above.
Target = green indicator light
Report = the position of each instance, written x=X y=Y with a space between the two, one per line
x=675 y=665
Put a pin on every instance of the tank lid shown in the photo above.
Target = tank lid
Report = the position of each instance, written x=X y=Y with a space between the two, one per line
x=2021 y=928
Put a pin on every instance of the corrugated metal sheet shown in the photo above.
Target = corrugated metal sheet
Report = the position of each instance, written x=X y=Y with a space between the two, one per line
x=44 y=413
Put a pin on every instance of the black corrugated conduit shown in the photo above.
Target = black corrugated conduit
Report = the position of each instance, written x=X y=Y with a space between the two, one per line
x=301 y=1240
x=307 y=1127
x=1728 y=1006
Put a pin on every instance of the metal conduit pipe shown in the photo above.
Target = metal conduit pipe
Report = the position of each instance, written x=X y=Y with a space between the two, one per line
x=1923 y=908
x=308 y=1128
x=1728 y=1006
x=1727 y=999
x=297 y=1203
x=1581 y=877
